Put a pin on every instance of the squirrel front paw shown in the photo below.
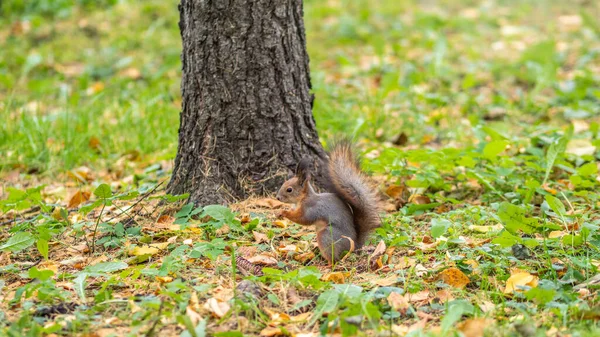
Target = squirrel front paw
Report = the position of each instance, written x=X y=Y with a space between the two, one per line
x=283 y=214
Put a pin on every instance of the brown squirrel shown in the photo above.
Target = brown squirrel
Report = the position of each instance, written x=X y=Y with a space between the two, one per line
x=343 y=218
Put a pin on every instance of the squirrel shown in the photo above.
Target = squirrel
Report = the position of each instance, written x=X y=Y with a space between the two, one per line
x=346 y=215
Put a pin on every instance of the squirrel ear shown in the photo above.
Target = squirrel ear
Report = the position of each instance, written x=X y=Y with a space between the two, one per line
x=302 y=170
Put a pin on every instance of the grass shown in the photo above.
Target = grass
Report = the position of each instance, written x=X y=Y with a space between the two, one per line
x=479 y=120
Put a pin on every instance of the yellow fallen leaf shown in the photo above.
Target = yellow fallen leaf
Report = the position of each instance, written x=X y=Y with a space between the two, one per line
x=164 y=279
x=556 y=234
x=280 y=223
x=454 y=277
x=520 y=279
x=78 y=198
x=277 y=317
x=139 y=251
x=300 y=318
x=159 y=245
x=335 y=277
x=486 y=229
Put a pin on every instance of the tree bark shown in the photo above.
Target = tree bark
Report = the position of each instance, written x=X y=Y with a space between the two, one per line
x=246 y=116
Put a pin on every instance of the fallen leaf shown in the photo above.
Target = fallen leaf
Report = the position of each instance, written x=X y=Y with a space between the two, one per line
x=474 y=327
x=304 y=257
x=398 y=302
x=556 y=234
x=164 y=279
x=78 y=198
x=580 y=147
x=420 y=199
x=217 y=307
x=405 y=262
x=280 y=223
x=400 y=192
x=520 y=279
x=417 y=297
x=260 y=237
x=268 y=203
x=165 y=218
x=385 y=282
x=454 y=277
x=335 y=277
x=193 y=315
x=486 y=229
x=443 y=296
x=272 y=331
x=139 y=251
x=288 y=248
x=94 y=143
x=263 y=260
x=81 y=174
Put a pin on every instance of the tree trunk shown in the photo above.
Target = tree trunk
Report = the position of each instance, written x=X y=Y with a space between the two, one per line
x=246 y=115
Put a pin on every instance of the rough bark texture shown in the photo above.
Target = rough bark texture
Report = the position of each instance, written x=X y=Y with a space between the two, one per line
x=246 y=117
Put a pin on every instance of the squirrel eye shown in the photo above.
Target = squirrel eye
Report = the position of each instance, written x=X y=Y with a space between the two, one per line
x=289 y=190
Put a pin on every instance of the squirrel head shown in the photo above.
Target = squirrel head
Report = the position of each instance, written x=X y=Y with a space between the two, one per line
x=295 y=188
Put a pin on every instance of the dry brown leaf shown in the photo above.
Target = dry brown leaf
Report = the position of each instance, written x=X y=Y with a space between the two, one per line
x=399 y=192
x=216 y=307
x=193 y=315
x=288 y=248
x=268 y=203
x=398 y=302
x=474 y=327
x=335 y=277
x=454 y=277
x=81 y=174
x=443 y=296
x=166 y=219
x=386 y=282
x=94 y=143
x=405 y=262
x=78 y=198
x=420 y=199
x=272 y=331
x=260 y=237
x=417 y=297
x=263 y=259
x=520 y=279
x=304 y=257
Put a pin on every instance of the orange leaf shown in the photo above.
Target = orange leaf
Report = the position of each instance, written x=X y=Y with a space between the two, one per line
x=454 y=277
x=78 y=198
x=335 y=277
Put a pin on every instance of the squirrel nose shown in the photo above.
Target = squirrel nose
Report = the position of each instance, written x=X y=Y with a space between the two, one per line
x=278 y=197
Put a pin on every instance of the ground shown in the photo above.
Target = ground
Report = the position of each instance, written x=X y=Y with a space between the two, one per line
x=478 y=120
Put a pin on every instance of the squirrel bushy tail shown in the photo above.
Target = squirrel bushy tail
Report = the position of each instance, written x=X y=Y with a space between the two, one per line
x=345 y=179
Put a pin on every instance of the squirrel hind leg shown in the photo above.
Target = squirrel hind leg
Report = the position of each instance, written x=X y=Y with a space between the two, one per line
x=334 y=244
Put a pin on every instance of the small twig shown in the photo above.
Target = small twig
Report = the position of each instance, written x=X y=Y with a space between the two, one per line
x=144 y=196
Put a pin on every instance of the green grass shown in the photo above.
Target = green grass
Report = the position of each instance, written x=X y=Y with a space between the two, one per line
x=499 y=102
